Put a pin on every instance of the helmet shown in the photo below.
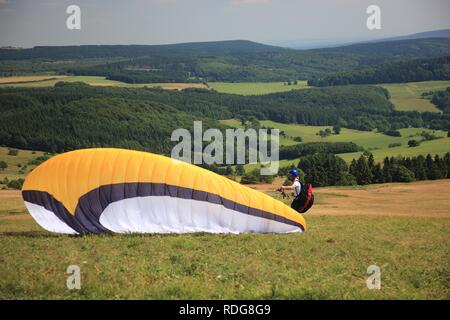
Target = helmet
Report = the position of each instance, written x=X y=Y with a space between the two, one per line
x=294 y=172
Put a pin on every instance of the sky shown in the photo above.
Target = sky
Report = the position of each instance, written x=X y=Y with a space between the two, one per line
x=27 y=23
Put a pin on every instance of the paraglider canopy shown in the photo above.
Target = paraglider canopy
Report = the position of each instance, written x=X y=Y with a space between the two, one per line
x=117 y=190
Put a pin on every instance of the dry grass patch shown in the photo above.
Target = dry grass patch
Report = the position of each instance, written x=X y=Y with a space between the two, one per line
x=22 y=79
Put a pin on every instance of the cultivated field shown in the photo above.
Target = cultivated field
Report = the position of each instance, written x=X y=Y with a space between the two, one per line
x=94 y=81
x=399 y=227
x=256 y=88
x=25 y=79
x=407 y=96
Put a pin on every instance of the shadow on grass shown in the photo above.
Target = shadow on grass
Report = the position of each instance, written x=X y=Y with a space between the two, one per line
x=32 y=234
x=36 y=234
x=46 y=234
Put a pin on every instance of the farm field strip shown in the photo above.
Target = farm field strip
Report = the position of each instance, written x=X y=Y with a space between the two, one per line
x=100 y=81
x=256 y=88
x=27 y=79
x=407 y=96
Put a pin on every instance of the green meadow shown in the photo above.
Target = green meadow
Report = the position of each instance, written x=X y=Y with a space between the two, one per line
x=367 y=139
x=439 y=146
x=329 y=261
x=256 y=88
x=407 y=96
x=375 y=142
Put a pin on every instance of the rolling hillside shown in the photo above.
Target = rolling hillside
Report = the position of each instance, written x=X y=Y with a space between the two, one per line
x=73 y=116
x=133 y=51
x=379 y=144
x=443 y=33
x=224 y=61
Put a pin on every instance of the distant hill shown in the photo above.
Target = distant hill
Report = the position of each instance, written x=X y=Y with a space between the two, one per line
x=133 y=51
x=444 y=33
x=330 y=43
x=227 y=61
x=386 y=51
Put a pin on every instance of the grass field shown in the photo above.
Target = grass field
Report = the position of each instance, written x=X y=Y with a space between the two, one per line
x=407 y=96
x=375 y=142
x=367 y=139
x=11 y=203
x=255 y=88
x=329 y=261
x=440 y=147
x=97 y=81
x=13 y=162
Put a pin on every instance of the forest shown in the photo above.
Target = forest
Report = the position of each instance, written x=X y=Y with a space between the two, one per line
x=70 y=116
x=442 y=100
x=328 y=169
x=302 y=149
x=394 y=72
